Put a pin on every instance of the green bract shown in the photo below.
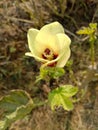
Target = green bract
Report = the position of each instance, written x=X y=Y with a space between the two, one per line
x=49 y=45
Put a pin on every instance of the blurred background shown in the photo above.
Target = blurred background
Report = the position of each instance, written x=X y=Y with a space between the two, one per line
x=18 y=71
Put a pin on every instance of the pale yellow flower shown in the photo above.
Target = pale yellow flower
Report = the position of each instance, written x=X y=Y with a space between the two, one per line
x=49 y=45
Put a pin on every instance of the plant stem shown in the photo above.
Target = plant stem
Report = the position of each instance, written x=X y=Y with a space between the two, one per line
x=92 y=52
x=40 y=104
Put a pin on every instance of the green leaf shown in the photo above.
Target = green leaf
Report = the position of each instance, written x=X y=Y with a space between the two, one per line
x=66 y=103
x=85 y=30
x=55 y=72
x=50 y=72
x=17 y=105
x=62 y=97
x=93 y=25
x=88 y=30
x=68 y=90
x=69 y=63
x=10 y=102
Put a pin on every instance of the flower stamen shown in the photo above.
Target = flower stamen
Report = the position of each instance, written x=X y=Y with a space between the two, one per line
x=49 y=55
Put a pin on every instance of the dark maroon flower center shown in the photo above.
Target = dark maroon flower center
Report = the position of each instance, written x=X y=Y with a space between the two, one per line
x=49 y=54
x=47 y=51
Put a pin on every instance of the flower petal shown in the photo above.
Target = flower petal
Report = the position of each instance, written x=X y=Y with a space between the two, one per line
x=62 y=61
x=50 y=62
x=64 y=43
x=44 y=41
x=50 y=36
x=46 y=37
x=53 y=28
x=36 y=57
x=32 y=33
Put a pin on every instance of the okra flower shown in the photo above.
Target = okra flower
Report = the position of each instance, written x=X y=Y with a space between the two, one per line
x=49 y=45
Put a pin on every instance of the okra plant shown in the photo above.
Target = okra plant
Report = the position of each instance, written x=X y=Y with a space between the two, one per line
x=51 y=47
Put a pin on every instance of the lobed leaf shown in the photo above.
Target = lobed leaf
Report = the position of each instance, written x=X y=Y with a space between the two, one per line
x=10 y=102
x=18 y=104
x=62 y=97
